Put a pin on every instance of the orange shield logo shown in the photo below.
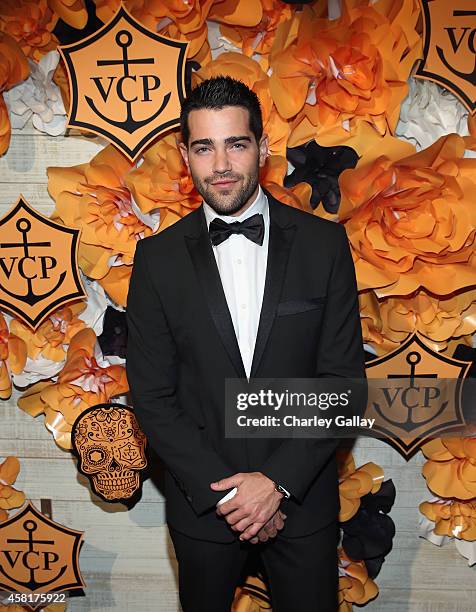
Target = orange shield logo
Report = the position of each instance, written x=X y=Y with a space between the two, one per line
x=126 y=83
x=449 y=50
x=38 y=264
x=38 y=555
x=417 y=395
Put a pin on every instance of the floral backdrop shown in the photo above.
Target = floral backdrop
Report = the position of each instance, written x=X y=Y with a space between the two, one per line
x=354 y=138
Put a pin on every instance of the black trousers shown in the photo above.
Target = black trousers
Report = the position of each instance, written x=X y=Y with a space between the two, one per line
x=302 y=572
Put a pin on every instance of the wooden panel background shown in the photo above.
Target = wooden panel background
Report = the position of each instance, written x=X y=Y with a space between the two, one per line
x=127 y=560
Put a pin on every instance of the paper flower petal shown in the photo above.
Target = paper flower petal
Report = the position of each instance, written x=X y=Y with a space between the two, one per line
x=411 y=222
x=31 y=23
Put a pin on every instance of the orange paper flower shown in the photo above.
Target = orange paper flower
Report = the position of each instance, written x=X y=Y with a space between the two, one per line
x=355 y=585
x=250 y=72
x=259 y=38
x=72 y=12
x=53 y=334
x=14 y=68
x=246 y=13
x=184 y=21
x=272 y=177
x=9 y=496
x=95 y=198
x=31 y=24
x=346 y=71
x=371 y=322
x=452 y=518
x=13 y=353
x=412 y=223
x=161 y=182
x=444 y=321
x=354 y=483
x=451 y=467
x=85 y=380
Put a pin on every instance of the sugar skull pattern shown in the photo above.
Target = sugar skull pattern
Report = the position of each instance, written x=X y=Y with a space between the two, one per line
x=111 y=450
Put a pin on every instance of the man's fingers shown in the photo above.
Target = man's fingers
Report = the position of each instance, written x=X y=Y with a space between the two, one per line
x=278 y=522
x=251 y=531
x=242 y=525
x=227 y=507
x=234 y=517
x=270 y=527
x=227 y=483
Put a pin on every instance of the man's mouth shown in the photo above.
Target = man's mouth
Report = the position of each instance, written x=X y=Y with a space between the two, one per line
x=223 y=183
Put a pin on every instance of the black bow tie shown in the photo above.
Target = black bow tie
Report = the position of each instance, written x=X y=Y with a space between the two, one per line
x=252 y=228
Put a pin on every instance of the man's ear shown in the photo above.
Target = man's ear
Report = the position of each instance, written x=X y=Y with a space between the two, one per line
x=263 y=149
x=184 y=152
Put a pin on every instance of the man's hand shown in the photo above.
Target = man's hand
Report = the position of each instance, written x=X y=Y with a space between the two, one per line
x=253 y=505
x=270 y=530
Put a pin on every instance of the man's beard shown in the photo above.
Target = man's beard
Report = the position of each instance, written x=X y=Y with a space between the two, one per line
x=222 y=204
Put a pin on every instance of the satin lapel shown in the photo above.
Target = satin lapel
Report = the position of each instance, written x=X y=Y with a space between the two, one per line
x=281 y=235
x=201 y=253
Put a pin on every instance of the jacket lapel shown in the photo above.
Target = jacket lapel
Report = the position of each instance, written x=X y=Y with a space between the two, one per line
x=203 y=259
x=281 y=235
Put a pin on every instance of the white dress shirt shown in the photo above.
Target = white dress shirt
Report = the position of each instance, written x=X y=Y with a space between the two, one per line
x=242 y=267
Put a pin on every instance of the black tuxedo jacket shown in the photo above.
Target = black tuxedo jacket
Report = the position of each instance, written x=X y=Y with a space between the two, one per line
x=182 y=347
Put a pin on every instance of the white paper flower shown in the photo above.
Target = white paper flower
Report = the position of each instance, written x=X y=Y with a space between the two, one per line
x=97 y=303
x=428 y=112
x=93 y=316
x=426 y=530
x=467 y=550
x=38 y=98
x=218 y=43
x=334 y=9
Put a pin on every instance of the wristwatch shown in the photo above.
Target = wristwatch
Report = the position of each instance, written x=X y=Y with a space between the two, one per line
x=280 y=489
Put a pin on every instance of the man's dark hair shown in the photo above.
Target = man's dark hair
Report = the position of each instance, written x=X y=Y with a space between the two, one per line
x=218 y=92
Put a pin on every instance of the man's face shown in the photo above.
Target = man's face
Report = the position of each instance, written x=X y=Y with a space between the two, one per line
x=224 y=158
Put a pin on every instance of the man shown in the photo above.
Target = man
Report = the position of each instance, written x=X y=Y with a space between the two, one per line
x=274 y=296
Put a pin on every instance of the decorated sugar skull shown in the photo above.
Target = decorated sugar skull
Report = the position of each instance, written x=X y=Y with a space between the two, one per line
x=111 y=449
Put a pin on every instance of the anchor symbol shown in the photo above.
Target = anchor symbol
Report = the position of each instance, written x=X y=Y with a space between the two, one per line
x=23 y=226
x=413 y=358
x=32 y=584
x=124 y=40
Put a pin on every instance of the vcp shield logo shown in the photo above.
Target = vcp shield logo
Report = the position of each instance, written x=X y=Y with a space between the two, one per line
x=38 y=264
x=414 y=394
x=449 y=52
x=38 y=555
x=126 y=83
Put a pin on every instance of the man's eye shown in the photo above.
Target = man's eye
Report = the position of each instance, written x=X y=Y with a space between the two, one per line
x=201 y=150
x=239 y=145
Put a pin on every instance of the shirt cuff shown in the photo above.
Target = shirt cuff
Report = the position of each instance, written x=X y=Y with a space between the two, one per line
x=228 y=496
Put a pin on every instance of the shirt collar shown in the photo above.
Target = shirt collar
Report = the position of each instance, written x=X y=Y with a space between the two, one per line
x=259 y=205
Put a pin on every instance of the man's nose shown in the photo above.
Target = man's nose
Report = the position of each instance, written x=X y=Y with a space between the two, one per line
x=221 y=162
